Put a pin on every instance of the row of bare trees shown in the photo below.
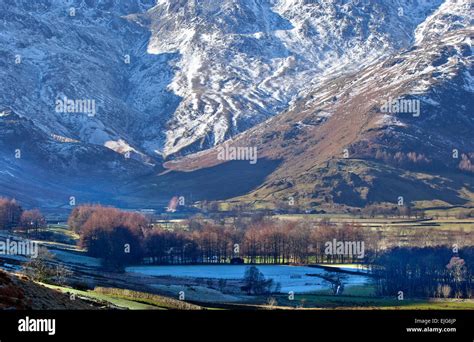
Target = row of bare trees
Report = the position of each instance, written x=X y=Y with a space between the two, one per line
x=123 y=237
x=265 y=242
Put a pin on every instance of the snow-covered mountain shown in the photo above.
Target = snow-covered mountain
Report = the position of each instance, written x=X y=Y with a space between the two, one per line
x=242 y=61
x=353 y=141
x=159 y=79
x=184 y=74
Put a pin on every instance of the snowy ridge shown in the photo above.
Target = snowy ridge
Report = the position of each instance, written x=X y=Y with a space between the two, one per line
x=451 y=15
x=241 y=62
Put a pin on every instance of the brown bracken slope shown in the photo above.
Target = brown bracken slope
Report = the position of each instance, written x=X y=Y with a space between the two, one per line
x=20 y=293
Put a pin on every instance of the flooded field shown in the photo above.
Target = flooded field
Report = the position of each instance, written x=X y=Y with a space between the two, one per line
x=299 y=279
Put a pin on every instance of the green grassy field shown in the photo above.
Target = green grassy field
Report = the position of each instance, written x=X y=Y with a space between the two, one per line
x=361 y=302
x=127 y=299
x=56 y=234
x=104 y=299
x=363 y=297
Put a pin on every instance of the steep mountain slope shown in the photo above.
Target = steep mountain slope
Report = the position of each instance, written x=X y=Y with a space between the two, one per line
x=340 y=145
x=180 y=75
x=54 y=49
x=243 y=61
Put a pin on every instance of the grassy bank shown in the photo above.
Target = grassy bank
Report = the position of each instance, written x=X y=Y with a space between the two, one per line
x=126 y=299
x=363 y=297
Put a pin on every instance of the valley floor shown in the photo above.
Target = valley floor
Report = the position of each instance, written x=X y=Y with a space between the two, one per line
x=98 y=288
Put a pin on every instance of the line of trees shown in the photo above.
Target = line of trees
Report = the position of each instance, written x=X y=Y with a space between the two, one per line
x=123 y=237
x=425 y=272
x=267 y=241
x=401 y=211
x=13 y=217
